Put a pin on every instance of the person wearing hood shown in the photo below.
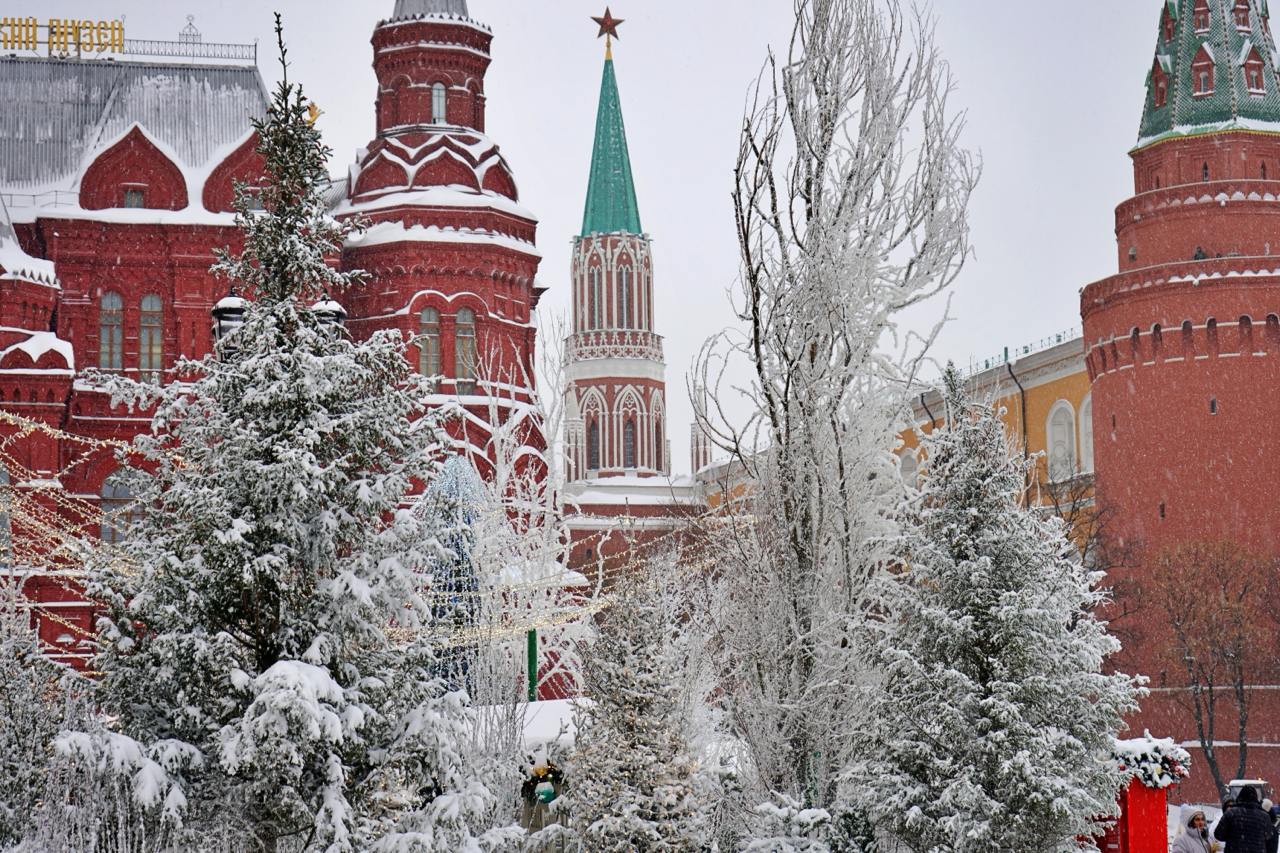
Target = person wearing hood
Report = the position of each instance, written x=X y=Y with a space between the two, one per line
x=1245 y=827
x=1194 y=837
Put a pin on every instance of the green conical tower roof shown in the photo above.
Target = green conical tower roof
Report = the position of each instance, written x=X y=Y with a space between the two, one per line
x=611 y=193
x=1232 y=47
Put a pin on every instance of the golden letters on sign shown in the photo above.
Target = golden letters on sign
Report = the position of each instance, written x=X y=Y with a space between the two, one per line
x=63 y=35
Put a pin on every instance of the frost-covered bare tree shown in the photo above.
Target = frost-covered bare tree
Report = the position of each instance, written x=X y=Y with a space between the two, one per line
x=850 y=201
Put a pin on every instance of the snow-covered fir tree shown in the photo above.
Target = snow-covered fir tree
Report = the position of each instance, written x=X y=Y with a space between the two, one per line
x=36 y=696
x=993 y=723
x=631 y=784
x=266 y=646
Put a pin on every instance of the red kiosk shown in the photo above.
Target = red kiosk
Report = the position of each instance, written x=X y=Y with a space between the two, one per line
x=1142 y=823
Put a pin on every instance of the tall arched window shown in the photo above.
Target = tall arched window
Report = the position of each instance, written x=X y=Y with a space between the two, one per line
x=593 y=446
x=117 y=507
x=595 y=298
x=1062 y=441
x=151 y=339
x=624 y=297
x=429 y=342
x=629 y=444
x=439 y=102
x=909 y=468
x=1086 y=435
x=657 y=446
x=464 y=351
x=111 y=332
x=6 y=529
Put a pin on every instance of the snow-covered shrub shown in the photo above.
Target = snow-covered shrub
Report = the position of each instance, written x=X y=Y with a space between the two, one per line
x=1155 y=762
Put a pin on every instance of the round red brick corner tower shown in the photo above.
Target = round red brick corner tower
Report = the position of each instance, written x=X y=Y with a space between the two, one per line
x=1182 y=346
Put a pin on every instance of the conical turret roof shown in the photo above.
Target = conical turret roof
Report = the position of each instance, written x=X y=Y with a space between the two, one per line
x=1230 y=38
x=611 y=192
x=418 y=8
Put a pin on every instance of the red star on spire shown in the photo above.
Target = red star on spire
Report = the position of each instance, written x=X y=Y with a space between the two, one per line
x=608 y=24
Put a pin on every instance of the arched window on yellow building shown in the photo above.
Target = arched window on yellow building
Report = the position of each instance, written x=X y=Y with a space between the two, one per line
x=1061 y=432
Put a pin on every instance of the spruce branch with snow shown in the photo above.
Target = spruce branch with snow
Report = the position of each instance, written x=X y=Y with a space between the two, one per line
x=992 y=724
x=850 y=197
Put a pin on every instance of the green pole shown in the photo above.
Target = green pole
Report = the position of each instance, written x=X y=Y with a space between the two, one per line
x=532 y=646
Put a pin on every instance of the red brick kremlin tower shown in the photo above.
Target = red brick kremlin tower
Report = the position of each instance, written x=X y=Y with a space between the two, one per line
x=1183 y=346
x=616 y=446
x=116 y=180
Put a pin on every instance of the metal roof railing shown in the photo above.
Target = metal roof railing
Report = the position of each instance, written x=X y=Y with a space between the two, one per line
x=1022 y=351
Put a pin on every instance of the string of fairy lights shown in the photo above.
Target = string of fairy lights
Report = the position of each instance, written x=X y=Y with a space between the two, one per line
x=53 y=535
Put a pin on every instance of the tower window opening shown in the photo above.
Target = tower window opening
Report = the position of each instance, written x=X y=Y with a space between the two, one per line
x=110 y=332
x=624 y=297
x=1161 y=88
x=1211 y=333
x=1166 y=24
x=134 y=198
x=1241 y=13
x=1262 y=171
x=1203 y=71
x=1188 y=339
x=1204 y=173
x=657 y=447
x=439 y=101
x=1200 y=17
x=595 y=298
x=629 y=444
x=1213 y=405
x=593 y=446
x=1246 y=335
x=1273 y=333
x=1157 y=341
x=1162 y=509
x=464 y=336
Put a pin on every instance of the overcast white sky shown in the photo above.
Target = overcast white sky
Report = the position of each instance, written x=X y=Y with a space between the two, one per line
x=1053 y=92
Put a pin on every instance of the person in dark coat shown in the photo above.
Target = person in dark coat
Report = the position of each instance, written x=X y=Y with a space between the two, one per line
x=1245 y=827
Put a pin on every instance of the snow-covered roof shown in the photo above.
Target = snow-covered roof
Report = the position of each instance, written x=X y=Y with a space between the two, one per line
x=39 y=343
x=58 y=112
x=418 y=8
x=15 y=262
x=384 y=233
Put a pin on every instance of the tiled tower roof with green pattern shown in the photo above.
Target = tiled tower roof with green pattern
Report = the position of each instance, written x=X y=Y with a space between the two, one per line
x=1230 y=105
x=611 y=192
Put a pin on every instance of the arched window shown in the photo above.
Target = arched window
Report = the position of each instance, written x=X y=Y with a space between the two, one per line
x=1062 y=441
x=464 y=351
x=1157 y=341
x=624 y=297
x=117 y=506
x=657 y=447
x=1246 y=335
x=6 y=528
x=1273 y=333
x=1204 y=173
x=1166 y=25
x=429 y=342
x=151 y=339
x=909 y=467
x=1188 y=339
x=439 y=101
x=1200 y=16
x=593 y=446
x=1211 y=332
x=111 y=332
x=629 y=444
x=1086 y=435
x=1241 y=13
x=595 y=298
